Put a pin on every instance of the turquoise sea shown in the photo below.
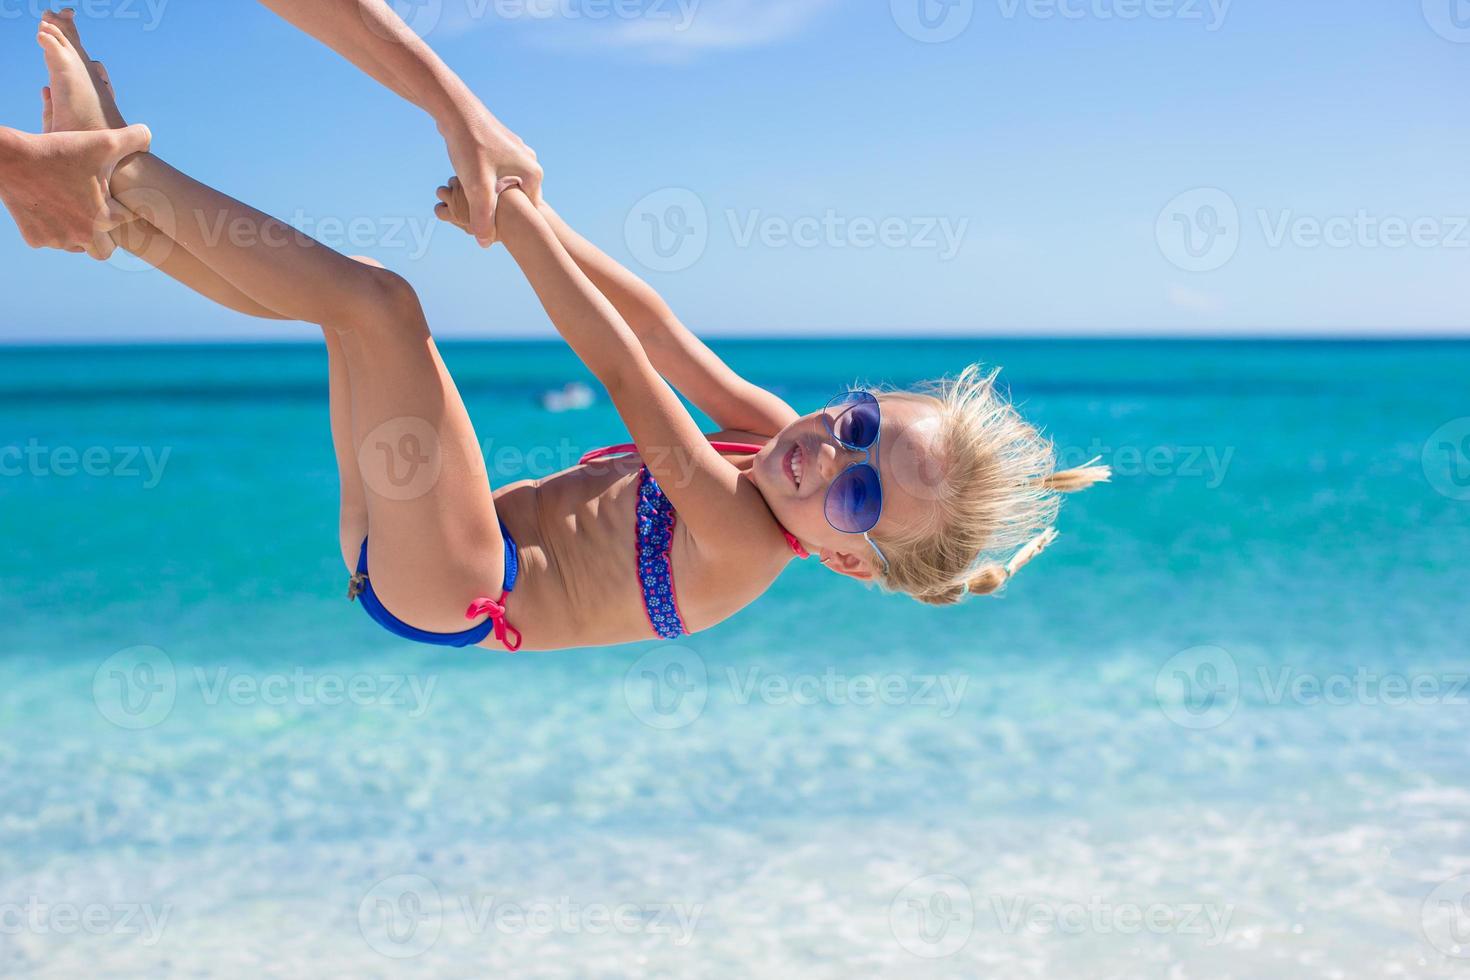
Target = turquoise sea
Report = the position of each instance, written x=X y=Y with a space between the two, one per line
x=1222 y=729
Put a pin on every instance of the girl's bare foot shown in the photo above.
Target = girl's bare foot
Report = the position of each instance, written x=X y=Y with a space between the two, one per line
x=80 y=93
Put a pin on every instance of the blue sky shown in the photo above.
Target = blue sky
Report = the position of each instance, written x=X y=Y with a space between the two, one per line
x=834 y=166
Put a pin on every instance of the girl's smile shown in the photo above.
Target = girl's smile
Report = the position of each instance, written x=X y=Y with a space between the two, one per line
x=793 y=464
x=798 y=466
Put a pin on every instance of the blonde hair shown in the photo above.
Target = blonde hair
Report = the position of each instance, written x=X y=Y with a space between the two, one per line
x=995 y=501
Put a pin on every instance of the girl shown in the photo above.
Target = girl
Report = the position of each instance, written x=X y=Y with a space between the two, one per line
x=913 y=491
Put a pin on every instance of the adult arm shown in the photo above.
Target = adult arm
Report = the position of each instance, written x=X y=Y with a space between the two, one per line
x=374 y=38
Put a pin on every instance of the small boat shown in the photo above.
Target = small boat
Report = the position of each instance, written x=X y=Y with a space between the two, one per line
x=572 y=397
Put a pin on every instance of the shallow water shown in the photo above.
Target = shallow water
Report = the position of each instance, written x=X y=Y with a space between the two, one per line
x=1219 y=731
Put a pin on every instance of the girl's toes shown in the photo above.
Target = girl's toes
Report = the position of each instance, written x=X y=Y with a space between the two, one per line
x=64 y=21
x=54 y=33
x=56 y=49
x=53 y=50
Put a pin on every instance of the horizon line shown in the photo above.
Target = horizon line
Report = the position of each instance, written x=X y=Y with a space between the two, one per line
x=1265 y=336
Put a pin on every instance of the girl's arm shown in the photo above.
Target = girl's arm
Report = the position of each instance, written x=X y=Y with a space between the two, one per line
x=374 y=38
x=686 y=361
x=704 y=487
x=689 y=365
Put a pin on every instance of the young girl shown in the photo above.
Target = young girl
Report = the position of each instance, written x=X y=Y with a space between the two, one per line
x=913 y=491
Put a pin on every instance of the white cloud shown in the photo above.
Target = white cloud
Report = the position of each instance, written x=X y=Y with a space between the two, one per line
x=656 y=29
x=726 y=24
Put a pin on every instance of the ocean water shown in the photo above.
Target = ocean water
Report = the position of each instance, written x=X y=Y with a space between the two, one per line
x=1220 y=730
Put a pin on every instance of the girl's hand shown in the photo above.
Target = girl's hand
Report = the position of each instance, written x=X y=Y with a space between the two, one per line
x=455 y=206
x=484 y=155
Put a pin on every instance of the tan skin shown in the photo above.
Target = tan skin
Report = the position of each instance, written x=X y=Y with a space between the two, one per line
x=435 y=551
x=56 y=185
x=374 y=38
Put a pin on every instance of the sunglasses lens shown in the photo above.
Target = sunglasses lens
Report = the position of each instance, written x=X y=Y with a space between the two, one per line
x=855 y=500
x=854 y=419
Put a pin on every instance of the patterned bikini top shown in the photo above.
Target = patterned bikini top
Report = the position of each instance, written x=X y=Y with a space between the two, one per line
x=656 y=521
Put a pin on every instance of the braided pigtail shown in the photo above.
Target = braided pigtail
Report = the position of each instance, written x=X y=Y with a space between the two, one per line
x=990 y=579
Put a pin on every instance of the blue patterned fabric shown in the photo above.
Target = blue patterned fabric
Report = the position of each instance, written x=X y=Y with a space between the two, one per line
x=656 y=520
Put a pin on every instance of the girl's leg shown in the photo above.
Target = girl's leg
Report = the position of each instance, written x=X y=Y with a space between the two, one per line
x=435 y=540
x=352 y=521
x=435 y=543
x=144 y=240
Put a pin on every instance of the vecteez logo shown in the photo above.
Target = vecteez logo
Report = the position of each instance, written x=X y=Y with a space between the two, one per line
x=933 y=917
x=933 y=21
x=1199 y=688
x=1450 y=19
x=667 y=688
x=1446 y=917
x=402 y=458
x=668 y=230
x=1199 y=231
x=401 y=917
x=136 y=688
x=1446 y=459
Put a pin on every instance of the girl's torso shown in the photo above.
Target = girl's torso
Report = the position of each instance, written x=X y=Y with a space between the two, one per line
x=579 y=546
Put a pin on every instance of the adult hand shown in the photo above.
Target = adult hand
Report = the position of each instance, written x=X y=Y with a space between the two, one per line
x=485 y=155
x=55 y=186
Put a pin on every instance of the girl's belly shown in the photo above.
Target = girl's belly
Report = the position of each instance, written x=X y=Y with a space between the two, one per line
x=577 y=536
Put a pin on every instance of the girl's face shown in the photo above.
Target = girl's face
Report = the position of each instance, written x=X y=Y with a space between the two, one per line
x=794 y=470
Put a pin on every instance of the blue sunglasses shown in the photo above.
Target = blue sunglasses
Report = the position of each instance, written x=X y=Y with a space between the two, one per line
x=855 y=499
